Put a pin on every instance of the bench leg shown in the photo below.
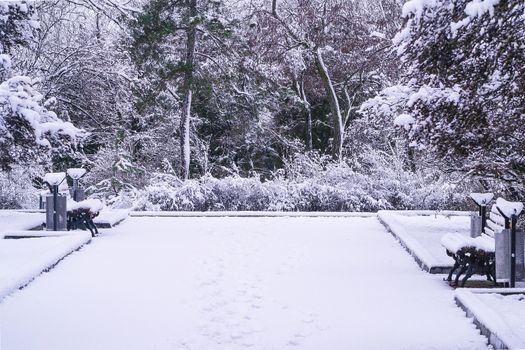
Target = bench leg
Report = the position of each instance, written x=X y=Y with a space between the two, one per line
x=91 y=226
x=493 y=273
x=456 y=265
x=469 y=274
x=461 y=271
x=489 y=277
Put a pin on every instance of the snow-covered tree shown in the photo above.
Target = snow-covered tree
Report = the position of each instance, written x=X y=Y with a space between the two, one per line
x=29 y=130
x=461 y=97
x=334 y=51
x=170 y=41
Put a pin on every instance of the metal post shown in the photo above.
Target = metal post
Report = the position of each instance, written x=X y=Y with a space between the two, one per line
x=514 y=220
x=483 y=214
x=75 y=189
x=55 y=200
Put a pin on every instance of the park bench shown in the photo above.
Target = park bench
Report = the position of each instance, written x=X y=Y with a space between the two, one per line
x=80 y=215
x=477 y=255
x=471 y=256
x=73 y=213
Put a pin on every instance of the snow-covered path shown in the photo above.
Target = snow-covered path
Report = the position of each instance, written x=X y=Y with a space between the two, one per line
x=236 y=283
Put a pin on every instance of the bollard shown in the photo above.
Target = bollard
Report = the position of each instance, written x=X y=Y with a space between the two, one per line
x=476 y=226
x=77 y=192
x=56 y=211
x=479 y=222
x=510 y=239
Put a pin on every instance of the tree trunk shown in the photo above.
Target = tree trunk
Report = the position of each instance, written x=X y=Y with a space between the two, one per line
x=188 y=90
x=308 y=111
x=309 y=142
x=337 y=119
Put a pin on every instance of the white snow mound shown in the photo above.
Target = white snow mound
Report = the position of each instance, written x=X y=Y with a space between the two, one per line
x=454 y=242
x=76 y=173
x=54 y=178
x=509 y=208
x=482 y=198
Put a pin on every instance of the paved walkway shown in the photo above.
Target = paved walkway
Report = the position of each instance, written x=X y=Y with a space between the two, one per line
x=238 y=283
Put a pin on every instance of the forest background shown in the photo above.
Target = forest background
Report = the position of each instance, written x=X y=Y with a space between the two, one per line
x=310 y=105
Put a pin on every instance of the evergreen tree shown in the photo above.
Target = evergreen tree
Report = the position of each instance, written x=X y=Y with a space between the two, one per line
x=461 y=95
x=167 y=44
x=29 y=131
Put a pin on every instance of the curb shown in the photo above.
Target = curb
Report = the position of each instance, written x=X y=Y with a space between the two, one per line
x=492 y=327
x=48 y=267
x=417 y=259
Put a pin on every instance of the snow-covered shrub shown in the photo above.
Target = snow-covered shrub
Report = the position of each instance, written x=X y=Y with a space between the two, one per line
x=16 y=189
x=325 y=187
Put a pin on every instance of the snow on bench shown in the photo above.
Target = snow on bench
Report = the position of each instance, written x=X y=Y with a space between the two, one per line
x=80 y=214
x=477 y=255
x=454 y=242
x=93 y=206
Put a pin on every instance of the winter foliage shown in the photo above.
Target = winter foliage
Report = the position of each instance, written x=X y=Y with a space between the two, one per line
x=309 y=185
x=288 y=105
x=29 y=131
x=461 y=95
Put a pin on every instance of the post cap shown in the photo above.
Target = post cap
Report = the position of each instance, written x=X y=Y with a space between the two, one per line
x=54 y=179
x=482 y=199
x=76 y=173
x=508 y=209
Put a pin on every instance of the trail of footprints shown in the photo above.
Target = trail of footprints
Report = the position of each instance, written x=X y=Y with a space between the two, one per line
x=232 y=300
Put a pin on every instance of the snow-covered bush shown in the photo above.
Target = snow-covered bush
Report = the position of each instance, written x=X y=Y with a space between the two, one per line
x=16 y=189
x=324 y=186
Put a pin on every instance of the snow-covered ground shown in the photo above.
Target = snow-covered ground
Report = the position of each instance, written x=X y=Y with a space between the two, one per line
x=17 y=220
x=235 y=283
x=21 y=260
x=502 y=314
x=111 y=217
x=422 y=234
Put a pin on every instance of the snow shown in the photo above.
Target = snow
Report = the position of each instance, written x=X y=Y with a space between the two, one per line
x=250 y=214
x=5 y=62
x=54 y=179
x=416 y=7
x=502 y=314
x=21 y=260
x=401 y=36
x=455 y=242
x=13 y=220
x=378 y=35
x=76 y=173
x=482 y=199
x=473 y=9
x=509 y=208
x=428 y=94
x=485 y=243
x=60 y=127
x=455 y=26
x=404 y=120
x=110 y=218
x=93 y=205
x=480 y=7
x=18 y=96
x=236 y=283
x=422 y=234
